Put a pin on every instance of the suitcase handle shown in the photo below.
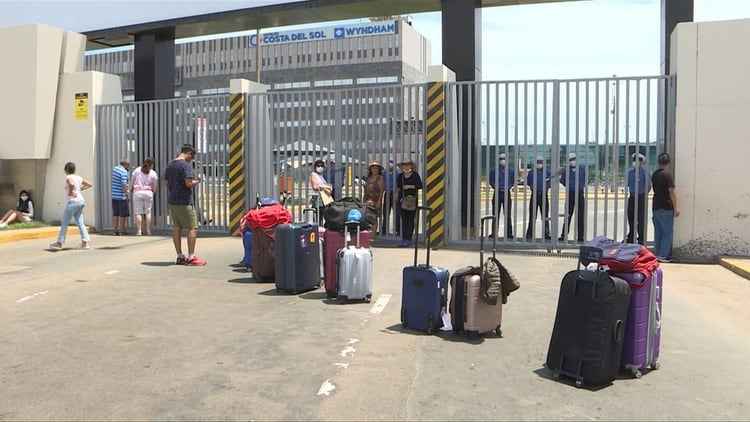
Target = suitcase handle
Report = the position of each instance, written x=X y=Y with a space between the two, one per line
x=359 y=232
x=481 y=241
x=589 y=254
x=426 y=234
x=619 y=331
x=314 y=211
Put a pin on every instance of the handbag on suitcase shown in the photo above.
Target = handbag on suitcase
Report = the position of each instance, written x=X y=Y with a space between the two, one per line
x=640 y=347
x=333 y=241
x=423 y=293
x=470 y=313
x=297 y=258
x=592 y=311
x=354 y=271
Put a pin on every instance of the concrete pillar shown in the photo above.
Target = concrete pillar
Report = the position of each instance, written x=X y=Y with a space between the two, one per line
x=154 y=65
x=672 y=13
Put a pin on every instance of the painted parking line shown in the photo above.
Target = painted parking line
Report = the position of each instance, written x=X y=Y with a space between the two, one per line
x=380 y=304
x=112 y=272
x=25 y=298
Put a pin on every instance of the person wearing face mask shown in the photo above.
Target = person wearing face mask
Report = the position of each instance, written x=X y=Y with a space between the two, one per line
x=538 y=180
x=639 y=183
x=407 y=188
x=574 y=179
x=319 y=185
x=502 y=179
x=24 y=211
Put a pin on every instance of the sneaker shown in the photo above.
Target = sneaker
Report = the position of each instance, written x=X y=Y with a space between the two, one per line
x=85 y=245
x=181 y=260
x=55 y=246
x=195 y=262
x=664 y=260
x=408 y=243
x=3 y=225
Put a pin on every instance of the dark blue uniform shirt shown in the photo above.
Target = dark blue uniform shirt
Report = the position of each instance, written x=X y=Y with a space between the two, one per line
x=538 y=180
x=577 y=178
x=497 y=179
x=643 y=185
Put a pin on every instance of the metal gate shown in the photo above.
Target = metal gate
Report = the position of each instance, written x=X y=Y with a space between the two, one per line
x=602 y=121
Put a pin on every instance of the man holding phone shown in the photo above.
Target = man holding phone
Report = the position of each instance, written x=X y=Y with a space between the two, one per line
x=178 y=176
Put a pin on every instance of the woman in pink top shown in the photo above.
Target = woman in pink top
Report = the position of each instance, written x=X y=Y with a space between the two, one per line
x=143 y=188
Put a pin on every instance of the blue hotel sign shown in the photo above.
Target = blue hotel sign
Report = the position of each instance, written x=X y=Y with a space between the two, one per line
x=328 y=33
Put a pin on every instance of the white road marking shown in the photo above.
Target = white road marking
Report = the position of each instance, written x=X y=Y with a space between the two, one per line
x=25 y=298
x=380 y=304
x=346 y=351
x=326 y=388
x=112 y=272
x=352 y=341
x=341 y=365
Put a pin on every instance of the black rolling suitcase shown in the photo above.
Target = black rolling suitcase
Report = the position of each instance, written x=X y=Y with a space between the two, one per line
x=592 y=309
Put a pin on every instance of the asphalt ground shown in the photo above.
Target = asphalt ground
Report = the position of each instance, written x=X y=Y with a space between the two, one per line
x=119 y=332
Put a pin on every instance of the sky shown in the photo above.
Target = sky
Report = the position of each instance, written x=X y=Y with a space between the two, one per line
x=579 y=39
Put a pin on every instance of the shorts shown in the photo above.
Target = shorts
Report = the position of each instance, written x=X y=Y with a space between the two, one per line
x=24 y=218
x=120 y=208
x=183 y=216
x=142 y=202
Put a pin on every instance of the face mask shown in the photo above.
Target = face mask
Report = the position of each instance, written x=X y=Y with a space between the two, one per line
x=502 y=162
x=636 y=164
x=23 y=198
x=539 y=166
x=319 y=169
x=572 y=163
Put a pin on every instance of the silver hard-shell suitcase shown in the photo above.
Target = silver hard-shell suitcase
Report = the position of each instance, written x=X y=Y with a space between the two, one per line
x=354 y=272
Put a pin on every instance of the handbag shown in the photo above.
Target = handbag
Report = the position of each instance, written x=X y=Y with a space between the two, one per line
x=409 y=203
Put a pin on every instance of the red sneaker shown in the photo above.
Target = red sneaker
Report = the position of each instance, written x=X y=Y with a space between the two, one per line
x=195 y=262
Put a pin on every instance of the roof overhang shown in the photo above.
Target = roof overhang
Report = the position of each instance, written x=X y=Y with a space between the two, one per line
x=299 y=12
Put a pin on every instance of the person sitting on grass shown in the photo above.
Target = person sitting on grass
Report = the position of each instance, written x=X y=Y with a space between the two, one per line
x=23 y=213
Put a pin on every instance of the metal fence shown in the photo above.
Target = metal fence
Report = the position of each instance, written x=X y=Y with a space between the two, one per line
x=603 y=121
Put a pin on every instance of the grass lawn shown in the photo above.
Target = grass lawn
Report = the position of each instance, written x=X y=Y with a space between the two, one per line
x=29 y=225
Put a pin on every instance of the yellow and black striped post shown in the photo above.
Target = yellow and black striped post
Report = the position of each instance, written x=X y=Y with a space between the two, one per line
x=236 y=161
x=435 y=168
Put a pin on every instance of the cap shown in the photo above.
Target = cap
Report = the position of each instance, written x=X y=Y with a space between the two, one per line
x=571 y=156
x=640 y=156
x=539 y=158
x=501 y=156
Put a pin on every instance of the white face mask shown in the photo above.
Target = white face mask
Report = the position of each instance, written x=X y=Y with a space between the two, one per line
x=539 y=166
x=502 y=162
x=23 y=198
x=636 y=164
x=572 y=163
x=319 y=169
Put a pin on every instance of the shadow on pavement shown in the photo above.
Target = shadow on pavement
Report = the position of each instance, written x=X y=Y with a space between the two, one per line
x=157 y=263
x=315 y=296
x=110 y=248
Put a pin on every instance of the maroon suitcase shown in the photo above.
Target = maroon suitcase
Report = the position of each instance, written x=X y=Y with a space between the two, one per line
x=333 y=240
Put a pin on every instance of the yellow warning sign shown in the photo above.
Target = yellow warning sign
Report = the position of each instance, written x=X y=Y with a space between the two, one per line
x=82 y=105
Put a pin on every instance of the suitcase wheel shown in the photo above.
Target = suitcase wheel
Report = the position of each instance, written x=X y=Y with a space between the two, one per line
x=637 y=373
x=579 y=383
x=430 y=324
x=498 y=331
x=556 y=375
x=343 y=299
x=368 y=298
x=655 y=366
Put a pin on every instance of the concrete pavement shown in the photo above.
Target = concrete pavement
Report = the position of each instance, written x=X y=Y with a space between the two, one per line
x=119 y=332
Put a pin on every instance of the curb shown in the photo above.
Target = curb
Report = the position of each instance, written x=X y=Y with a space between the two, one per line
x=7 y=236
x=739 y=266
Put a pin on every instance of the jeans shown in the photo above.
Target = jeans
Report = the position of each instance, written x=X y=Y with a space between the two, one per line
x=663 y=230
x=73 y=210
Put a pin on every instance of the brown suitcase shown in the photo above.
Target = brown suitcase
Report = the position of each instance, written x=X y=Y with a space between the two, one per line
x=470 y=313
x=264 y=266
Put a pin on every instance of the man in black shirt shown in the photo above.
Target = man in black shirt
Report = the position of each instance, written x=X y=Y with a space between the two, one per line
x=664 y=208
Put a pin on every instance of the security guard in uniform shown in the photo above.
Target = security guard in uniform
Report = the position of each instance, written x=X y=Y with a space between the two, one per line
x=538 y=180
x=574 y=179
x=638 y=184
x=502 y=179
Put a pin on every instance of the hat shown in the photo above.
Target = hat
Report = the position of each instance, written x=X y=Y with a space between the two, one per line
x=406 y=161
x=501 y=156
x=571 y=156
x=539 y=158
x=375 y=163
x=640 y=156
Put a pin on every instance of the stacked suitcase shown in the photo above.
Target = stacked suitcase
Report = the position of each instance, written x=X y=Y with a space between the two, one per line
x=469 y=312
x=424 y=291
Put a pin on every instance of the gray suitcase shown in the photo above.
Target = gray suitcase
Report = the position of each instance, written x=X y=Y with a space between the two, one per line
x=354 y=271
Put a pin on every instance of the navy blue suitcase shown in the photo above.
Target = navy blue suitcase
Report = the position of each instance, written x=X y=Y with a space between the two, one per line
x=247 y=242
x=297 y=257
x=424 y=292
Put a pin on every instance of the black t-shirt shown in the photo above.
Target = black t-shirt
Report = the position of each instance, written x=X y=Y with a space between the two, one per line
x=175 y=174
x=661 y=181
x=413 y=179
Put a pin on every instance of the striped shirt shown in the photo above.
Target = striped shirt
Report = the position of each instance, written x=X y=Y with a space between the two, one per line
x=119 y=178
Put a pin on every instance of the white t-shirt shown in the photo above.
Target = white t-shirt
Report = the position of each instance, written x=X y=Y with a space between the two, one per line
x=77 y=182
x=143 y=181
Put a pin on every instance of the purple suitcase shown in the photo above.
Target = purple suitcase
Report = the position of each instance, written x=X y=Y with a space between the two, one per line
x=640 y=347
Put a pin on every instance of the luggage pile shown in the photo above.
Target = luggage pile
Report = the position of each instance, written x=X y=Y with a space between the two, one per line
x=608 y=314
x=477 y=294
